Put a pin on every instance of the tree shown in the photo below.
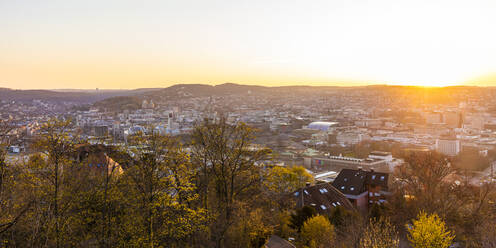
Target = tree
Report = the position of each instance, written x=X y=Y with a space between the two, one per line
x=300 y=216
x=251 y=230
x=228 y=170
x=429 y=231
x=284 y=180
x=422 y=177
x=348 y=226
x=161 y=179
x=339 y=216
x=98 y=210
x=56 y=142
x=12 y=205
x=380 y=233
x=317 y=232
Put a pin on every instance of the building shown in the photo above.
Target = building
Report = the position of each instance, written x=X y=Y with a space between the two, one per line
x=476 y=121
x=448 y=146
x=362 y=188
x=147 y=105
x=351 y=138
x=326 y=177
x=388 y=158
x=330 y=162
x=100 y=130
x=433 y=117
x=96 y=159
x=323 y=197
x=321 y=125
x=453 y=119
x=369 y=123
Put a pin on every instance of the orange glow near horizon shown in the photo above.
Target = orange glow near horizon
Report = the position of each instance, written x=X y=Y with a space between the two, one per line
x=126 y=45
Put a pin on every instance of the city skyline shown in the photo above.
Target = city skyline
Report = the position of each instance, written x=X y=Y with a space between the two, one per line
x=127 y=45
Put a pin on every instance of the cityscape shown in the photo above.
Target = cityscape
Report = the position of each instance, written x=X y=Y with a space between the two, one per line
x=274 y=124
x=333 y=133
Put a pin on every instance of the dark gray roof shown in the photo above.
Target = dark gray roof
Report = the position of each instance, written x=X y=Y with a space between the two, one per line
x=323 y=197
x=378 y=179
x=354 y=182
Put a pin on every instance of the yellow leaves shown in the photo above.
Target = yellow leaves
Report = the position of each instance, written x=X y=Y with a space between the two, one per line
x=429 y=231
x=318 y=232
x=287 y=179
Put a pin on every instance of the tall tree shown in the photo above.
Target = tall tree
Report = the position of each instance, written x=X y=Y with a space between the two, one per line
x=13 y=206
x=162 y=181
x=229 y=170
x=57 y=143
x=422 y=177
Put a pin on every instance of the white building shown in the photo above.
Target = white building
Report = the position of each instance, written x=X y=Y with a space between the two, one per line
x=321 y=125
x=450 y=147
x=350 y=138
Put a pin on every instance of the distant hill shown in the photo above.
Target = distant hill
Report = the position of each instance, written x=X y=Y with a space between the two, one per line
x=131 y=99
x=76 y=96
x=119 y=103
x=182 y=91
x=199 y=90
x=202 y=90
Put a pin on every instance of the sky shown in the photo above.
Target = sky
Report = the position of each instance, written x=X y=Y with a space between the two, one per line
x=139 y=44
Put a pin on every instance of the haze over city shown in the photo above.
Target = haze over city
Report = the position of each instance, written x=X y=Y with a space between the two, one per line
x=137 y=44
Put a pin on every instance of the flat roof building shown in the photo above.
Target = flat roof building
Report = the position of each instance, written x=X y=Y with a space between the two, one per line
x=321 y=125
x=331 y=162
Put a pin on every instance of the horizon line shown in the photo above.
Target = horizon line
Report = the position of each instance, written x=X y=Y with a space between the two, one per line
x=261 y=85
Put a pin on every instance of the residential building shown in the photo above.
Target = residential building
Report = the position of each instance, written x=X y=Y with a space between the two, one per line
x=362 y=188
x=323 y=197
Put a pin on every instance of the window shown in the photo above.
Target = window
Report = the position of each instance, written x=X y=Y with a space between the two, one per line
x=306 y=192
x=296 y=193
x=323 y=207
x=339 y=203
x=346 y=179
x=334 y=204
x=343 y=187
x=382 y=178
x=373 y=177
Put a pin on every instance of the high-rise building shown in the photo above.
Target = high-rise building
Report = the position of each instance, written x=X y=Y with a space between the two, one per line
x=433 y=117
x=448 y=146
x=453 y=119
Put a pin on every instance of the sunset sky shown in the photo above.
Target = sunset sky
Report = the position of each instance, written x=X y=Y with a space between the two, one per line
x=135 y=44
